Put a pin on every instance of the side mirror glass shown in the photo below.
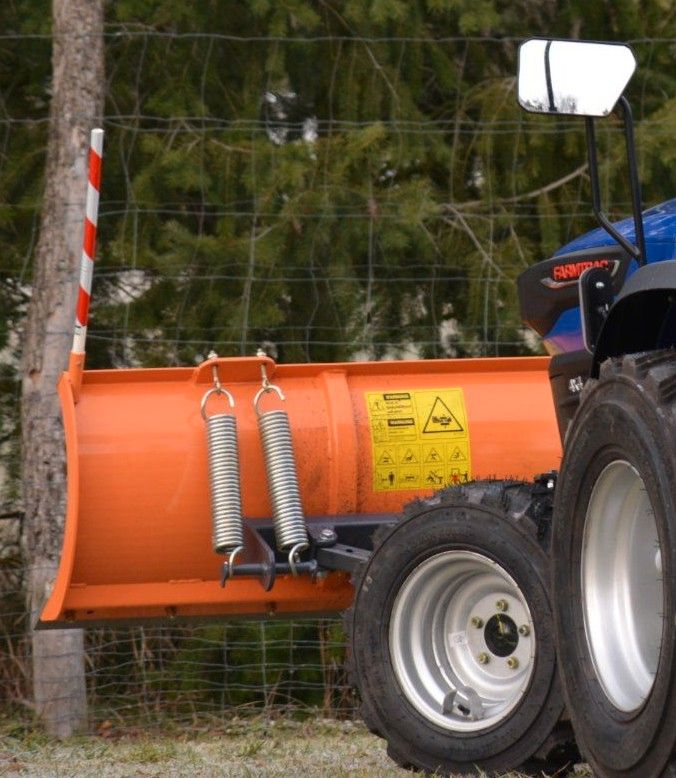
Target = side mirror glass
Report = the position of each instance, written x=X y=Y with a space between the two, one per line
x=576 y=78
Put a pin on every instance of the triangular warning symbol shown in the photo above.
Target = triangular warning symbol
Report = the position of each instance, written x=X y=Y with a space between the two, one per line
x=386 y=458
x=433 y=456
x=409 y=458
x=458 y=455
x=441 y=419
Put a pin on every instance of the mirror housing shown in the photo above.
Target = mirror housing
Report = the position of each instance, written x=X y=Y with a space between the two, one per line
x=575 y=78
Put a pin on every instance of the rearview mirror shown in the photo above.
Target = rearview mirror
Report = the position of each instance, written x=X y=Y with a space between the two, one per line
x=576 y=78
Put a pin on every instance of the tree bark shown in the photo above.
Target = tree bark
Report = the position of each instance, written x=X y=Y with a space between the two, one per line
x=77 y=100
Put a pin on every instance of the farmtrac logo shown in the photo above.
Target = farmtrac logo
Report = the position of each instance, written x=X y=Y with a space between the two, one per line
x=568 y=273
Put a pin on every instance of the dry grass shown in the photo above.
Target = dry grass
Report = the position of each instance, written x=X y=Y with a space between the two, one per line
x=242 y=748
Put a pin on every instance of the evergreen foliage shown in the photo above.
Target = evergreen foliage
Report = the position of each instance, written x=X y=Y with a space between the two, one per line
x=398 y=231
x=407 y=218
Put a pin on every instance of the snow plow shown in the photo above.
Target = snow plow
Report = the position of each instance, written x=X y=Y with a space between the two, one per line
x=367 y=438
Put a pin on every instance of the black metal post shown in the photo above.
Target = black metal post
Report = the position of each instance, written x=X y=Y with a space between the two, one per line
x=596 y=195
x=634 y=182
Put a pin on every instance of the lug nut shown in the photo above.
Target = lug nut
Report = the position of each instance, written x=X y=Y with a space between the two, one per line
x=512 y=663
x=502 y=605
x=483 y=658
x=524 y=630
x=477 y=622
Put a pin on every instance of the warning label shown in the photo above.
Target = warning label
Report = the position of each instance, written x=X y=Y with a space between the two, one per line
x=420 y=439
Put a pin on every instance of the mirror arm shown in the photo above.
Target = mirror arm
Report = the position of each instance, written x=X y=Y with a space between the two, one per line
x=634 y=182
x=596 y=193
x=548 y=78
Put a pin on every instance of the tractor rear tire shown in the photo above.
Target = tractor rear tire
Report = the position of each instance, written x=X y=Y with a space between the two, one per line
x=450 y=635
x=614 y=568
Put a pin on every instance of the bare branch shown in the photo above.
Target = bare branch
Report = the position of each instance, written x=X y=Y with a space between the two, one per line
x=526 y=196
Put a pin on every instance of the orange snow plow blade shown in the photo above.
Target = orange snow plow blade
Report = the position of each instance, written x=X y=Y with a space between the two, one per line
x=368 y=437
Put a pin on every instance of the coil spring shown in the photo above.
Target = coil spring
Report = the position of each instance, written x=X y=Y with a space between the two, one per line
x=226 y=501
x=280 y=465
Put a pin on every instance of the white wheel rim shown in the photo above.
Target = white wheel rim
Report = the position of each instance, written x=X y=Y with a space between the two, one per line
x=622 y=589
x=462 y=641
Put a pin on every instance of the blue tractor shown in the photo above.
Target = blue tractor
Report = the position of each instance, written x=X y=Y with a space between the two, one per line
x=605 y=306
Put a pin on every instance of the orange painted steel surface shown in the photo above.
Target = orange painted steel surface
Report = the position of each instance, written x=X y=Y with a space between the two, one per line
x=138 y=531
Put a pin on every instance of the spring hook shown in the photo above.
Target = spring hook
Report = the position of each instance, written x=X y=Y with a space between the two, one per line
x=280 y=465
x=223 y=457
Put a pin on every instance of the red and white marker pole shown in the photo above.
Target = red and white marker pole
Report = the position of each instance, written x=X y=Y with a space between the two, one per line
x=77 y=353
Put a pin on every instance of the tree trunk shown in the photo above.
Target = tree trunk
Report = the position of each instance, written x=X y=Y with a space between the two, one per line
x=77 y=100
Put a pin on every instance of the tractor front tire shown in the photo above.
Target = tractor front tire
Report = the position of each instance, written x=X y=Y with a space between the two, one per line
x=451 y=636
x=614 y=568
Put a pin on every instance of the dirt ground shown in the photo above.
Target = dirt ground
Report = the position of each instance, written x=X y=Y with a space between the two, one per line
x=242 y=749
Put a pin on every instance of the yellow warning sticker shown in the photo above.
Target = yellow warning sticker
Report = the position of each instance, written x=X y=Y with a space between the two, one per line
x=420 y=439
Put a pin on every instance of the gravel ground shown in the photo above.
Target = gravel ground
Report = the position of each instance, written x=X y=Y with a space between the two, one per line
x=243 y=749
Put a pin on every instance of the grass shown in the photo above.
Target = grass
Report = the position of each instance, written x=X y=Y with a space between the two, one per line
x=241 y=748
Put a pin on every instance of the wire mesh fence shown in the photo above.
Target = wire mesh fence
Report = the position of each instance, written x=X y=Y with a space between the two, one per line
x=324 y=196
x=192 y=675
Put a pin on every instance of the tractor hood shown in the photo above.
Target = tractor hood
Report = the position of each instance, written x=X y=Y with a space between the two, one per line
x=660 y=233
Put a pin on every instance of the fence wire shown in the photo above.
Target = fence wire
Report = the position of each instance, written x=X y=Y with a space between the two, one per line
x=192 y=675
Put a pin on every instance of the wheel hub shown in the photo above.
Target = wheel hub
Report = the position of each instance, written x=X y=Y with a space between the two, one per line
x=462 y=641
x=501 y=635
